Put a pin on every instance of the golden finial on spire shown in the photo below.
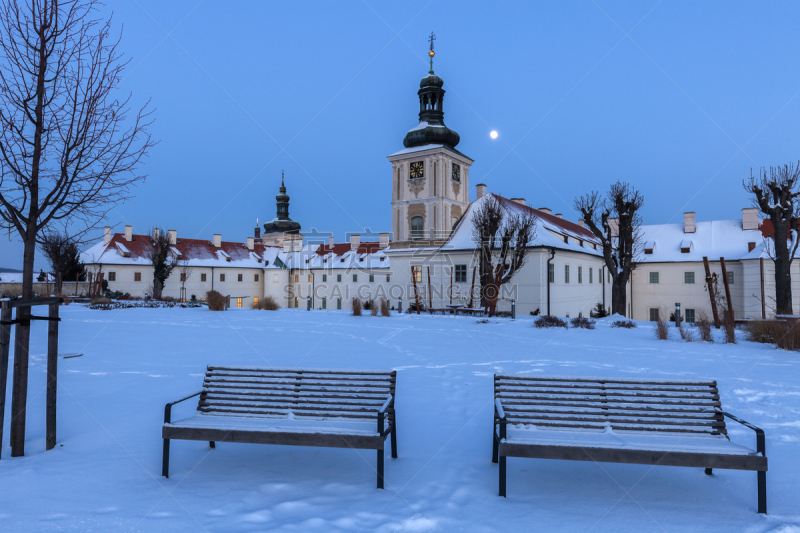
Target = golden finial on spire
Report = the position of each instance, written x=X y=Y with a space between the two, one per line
x=431 y=53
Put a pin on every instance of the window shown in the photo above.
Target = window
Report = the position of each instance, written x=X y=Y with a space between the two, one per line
x=202 y=277
x=339 y=303
x=183 y=276
x=551 y=273
x=297 y=277
x=324 y=303
x=580 y=274
x=653 y=314
x=730 y=277
x=416 y=227
x=690 y=316
x=137 y=276
x=653 y=277
x=461 y=273
x=238 y=302
x=688 y=277
x=324 y=277
x=239 y=277
x=255 y=278
x=416 y=273
x=371 y=278
x=112 y=276
x=355 y=277
x=566 y=273
x=590 y=275
x=339 y=278
x=310 y=277
x=222 y=277
x=255 y=301
x=387 y=278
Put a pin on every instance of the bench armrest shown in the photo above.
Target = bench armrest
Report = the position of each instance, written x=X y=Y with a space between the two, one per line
x=168 y=407
x=761 y=446
x=498 y=408
x=389 y=401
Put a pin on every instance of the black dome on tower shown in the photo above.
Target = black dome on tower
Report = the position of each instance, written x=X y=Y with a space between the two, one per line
x=431 y=128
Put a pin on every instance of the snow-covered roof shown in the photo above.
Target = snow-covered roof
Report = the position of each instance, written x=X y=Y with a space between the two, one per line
x=551 y=231
x=368 y=255
x=712 y=239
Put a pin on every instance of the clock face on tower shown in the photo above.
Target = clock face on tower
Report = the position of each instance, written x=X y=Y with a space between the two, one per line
x=456 y=172
x=417 y=168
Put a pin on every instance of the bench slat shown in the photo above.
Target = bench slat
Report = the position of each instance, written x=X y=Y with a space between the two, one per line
x=604 y=394
x=609 y=380
x=301 y=371
x=282 y=413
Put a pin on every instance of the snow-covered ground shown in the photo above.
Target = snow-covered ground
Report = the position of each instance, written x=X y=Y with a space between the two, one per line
x=105 y=471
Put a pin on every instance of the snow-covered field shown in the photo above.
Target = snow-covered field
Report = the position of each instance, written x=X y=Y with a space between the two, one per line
x=104 y=474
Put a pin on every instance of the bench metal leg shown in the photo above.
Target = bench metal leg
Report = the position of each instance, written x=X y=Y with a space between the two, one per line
x=380 y=469
x=762 y=492
x=212 y=444
x=394 y=440
x=494 y=446
x=165 y=460
x=503 y=476
x=709 y=471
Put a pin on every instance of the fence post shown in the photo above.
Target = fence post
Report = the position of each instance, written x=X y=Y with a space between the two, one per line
x=513 y=309
x=5 y=346
x=52 y=376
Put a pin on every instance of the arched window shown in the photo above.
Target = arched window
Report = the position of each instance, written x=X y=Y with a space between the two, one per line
x=416 y=227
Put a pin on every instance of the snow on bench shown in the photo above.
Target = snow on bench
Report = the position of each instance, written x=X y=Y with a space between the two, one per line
x=652 y=422
x=310 y=407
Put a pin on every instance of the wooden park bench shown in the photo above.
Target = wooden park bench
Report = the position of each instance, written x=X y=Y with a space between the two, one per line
x=671 y=423
x=479 y=311
x=331 y=408
x=442 y=310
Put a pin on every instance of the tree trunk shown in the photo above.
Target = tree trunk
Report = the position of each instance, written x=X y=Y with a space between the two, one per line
x=783 y=263
x=619 y=297
x=22 y=338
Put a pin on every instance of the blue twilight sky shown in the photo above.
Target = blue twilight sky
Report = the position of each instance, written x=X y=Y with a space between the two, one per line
x=679 y=98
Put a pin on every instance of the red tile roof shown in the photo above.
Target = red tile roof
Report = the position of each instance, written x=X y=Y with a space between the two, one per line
x=344 y=247
x=189 y=248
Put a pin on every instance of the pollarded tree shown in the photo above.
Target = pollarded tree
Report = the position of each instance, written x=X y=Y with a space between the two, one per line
x=163 y=261
x=615 y=220
x=502 y=240
x=776 y=193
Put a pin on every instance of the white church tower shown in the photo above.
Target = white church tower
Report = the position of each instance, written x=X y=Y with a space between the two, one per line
x=430 y=178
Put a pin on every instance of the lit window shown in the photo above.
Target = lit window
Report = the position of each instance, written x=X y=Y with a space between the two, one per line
x=297 y=277
x=309 y=277
x=416 y=227
x=238 y=302
x=255 y=300
x=461 y=274
x=387 y=278
x=416 y=273
x=688 y=277
x=137 y=276
x=653 y=277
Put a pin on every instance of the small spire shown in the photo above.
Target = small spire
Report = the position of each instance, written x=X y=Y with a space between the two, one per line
x=431 y=53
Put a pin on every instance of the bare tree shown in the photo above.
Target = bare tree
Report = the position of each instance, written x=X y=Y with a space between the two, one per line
x=68 y=149
x=776 y=193
x=163 y=261
x=616 y=221
x=185 y=271
x=502 y=240
x=64 y=257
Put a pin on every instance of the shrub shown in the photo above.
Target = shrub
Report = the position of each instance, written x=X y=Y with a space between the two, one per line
x=782 y=334
x=550 y=321
x=703 y=325
x=385 y=307
x=100 y=300
x=599 y=311
x=627 y=324
x=582 y=322
x=169 y=299
x=412 y=307
x=267 y=304
x=367 y=306
x=216 y=301
x=661 y=328
x=356 y=307
x=687 y=332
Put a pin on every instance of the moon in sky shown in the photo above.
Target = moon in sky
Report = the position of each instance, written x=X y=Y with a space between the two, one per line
x=493 y=134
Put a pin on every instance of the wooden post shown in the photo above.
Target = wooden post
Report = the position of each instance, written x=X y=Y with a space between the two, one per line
x=5 y=345
x=472 y=287
x=19 y=393
x=731 y=315
x=430 y=290
x=414 y=280
x=763 y=298
x=710 y=286
x=52 y=375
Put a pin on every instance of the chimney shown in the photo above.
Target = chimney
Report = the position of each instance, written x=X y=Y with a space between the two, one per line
x=520 y=201
x=383 y=240
x=172 y=236
x=129 y=233
x=251 y=243
x=257 y=232
x=688 y=222
x=750 y=218
x=613 y=223
x=480 y=191
x=581 y=223
x=355 y=242
x=217 y=240
x=156 y=233
x=559 y=215
x=106 y=234
x=546 y=210
x=330 y=241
